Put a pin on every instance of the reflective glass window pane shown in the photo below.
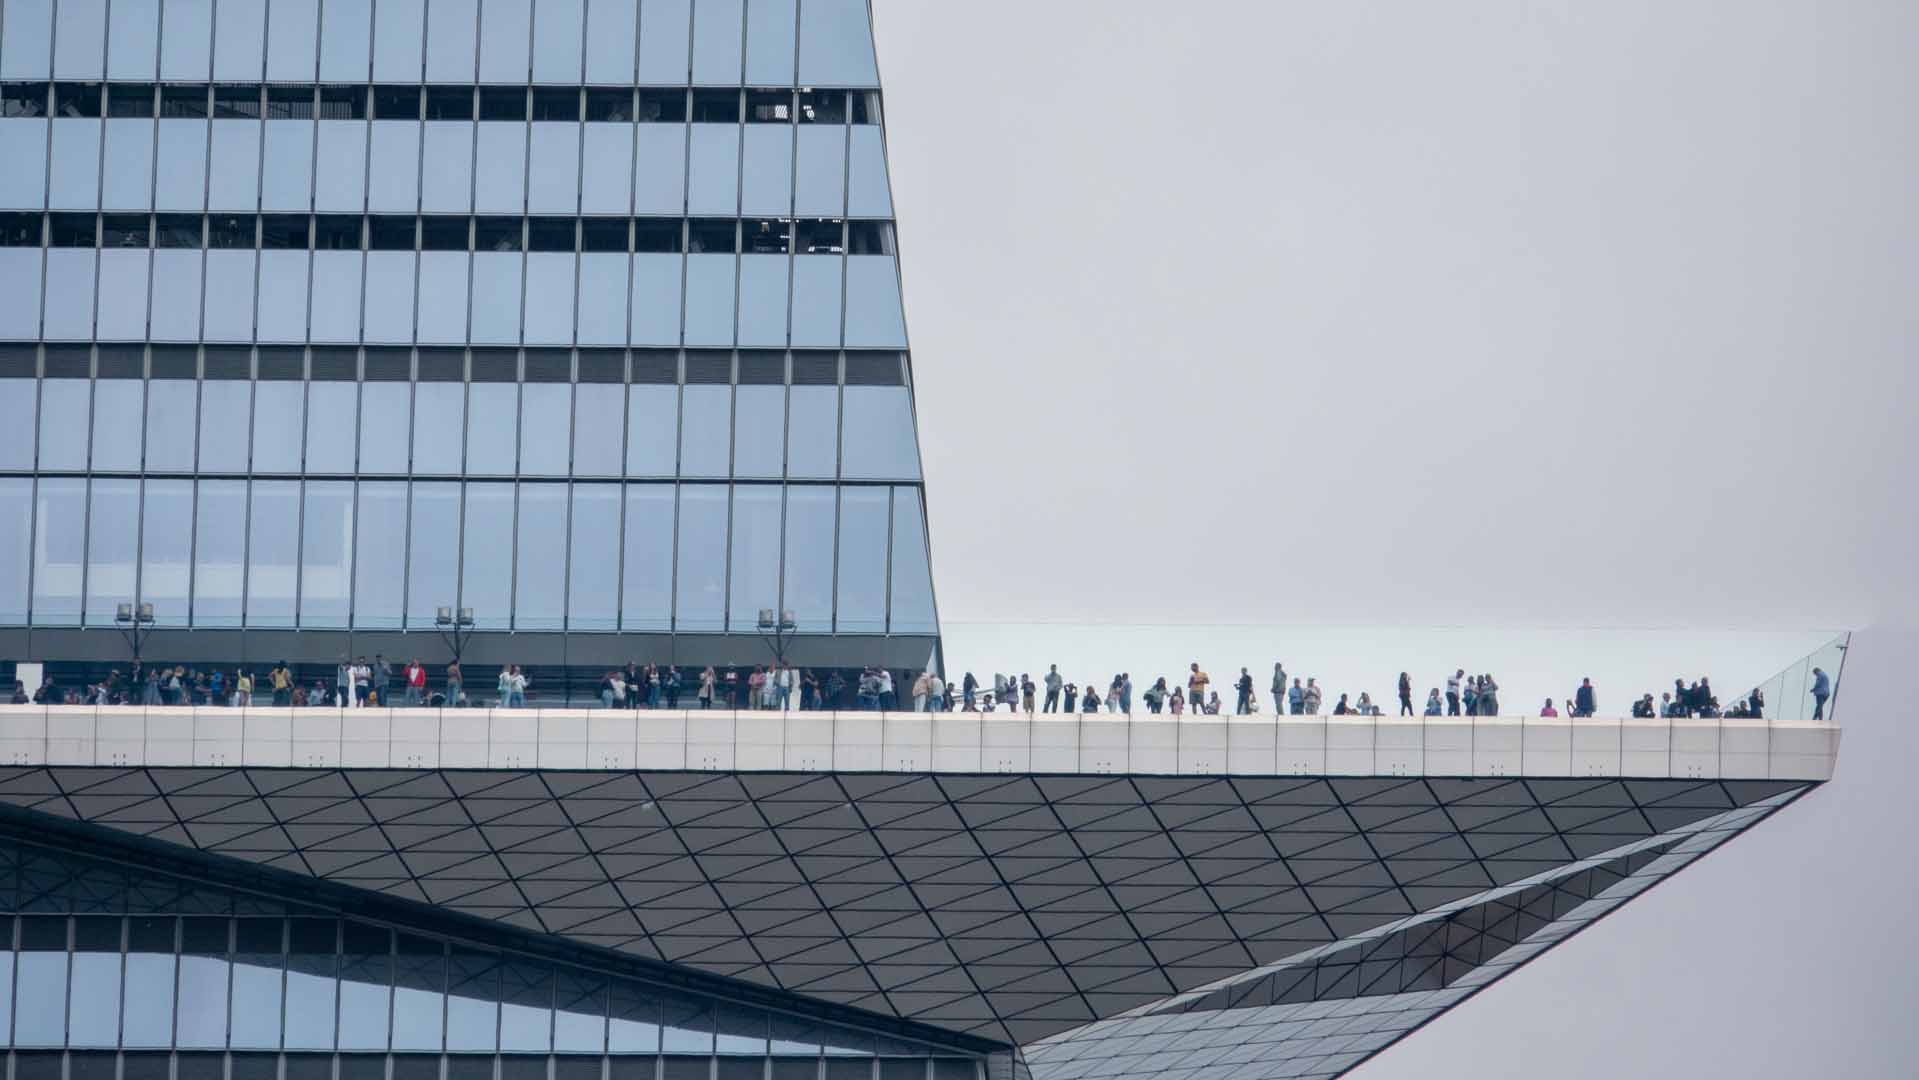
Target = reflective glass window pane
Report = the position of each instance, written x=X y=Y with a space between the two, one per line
x=419 y=994
x=557 y=41
x=366 y=977
x=710 y=279
x=452 y=26
x=118 y=405
x=64 y=408
x=486 y=555
x=634 y=1021
x=545 y=413
x=610 y=39
x=836 y=44
x=273 y=552
x=912 y=594
x=384 y=411
x=874 y=316
x=770 y=30
x=40 y=995
x=16 y=544
x=399 y=29
x=343 y=39
x=599 y=430
x=539 y=594
x=864 y=514
x=225 y=405
x=877 y=440
x=700 y=583
x=79 y=38
x=331 y=409
x=279 y=411
x=166 y=549
x=664 y=29
x=113 y=540
x=202 y=1021
x=759 y=431
x=593 y=574
x=28 y=43
x=492 y=430
x=311 y=983
x=791 y=1035
x=219 y=552
x=432 y=575
x=688 y=1027
x=755 y=549
x=653 y=430
x=171 y=404
x=439 y=421
x=187 y=39
x=808 y=587
x=646 y=586
x=705 y=430
x=379 y=570
x=150 y=981
x=718 y=32
x=258 y=957
x=579 y=1016
x=59 y=548
x=16 y=437
x=293 y=40
x=95 y=1019
x=473 y=1002
x=813 y=432
x=840 y=1042
x=504 y=29
x=239 y=37
x=326 y=553
x=526 y=1010
x=740 y=1031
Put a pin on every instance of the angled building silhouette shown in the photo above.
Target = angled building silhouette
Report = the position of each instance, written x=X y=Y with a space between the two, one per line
x=566 y=334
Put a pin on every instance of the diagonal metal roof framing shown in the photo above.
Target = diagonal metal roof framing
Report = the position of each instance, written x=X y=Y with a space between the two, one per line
x=1008 y=906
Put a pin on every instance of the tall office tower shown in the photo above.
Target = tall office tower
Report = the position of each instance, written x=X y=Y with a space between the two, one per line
x=320 y=321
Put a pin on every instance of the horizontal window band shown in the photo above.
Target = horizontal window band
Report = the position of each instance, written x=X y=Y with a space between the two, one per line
x=471 y=233
x=652 y=482
x=535 y=103
x=430 y=364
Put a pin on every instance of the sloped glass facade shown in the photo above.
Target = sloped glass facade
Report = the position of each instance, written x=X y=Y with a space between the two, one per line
x=325 y=316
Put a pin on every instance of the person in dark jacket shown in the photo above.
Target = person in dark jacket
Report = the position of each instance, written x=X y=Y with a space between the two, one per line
x=1584 y=700
x=1245 y=688
x=1405 y=694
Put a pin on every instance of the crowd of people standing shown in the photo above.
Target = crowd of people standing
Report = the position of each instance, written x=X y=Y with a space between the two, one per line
x=362 y=683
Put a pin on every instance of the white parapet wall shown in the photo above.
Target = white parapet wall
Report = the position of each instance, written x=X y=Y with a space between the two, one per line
x=1003 y=742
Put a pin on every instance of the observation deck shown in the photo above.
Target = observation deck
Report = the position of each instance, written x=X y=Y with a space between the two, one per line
x=1141 y=744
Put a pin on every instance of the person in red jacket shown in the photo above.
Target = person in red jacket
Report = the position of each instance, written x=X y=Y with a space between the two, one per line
x=415 y=683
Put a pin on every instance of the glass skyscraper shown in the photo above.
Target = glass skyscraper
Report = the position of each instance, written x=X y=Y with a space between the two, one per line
x=320 y=316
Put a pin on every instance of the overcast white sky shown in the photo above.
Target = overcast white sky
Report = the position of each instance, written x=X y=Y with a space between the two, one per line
x=1494 y=315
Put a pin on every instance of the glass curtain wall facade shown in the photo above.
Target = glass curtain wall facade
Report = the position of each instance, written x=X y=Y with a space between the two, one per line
x=584 y=314
x=106 y=960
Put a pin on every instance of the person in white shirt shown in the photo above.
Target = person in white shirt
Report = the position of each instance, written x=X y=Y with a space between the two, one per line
x=888 y=700
x=1452 y=692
